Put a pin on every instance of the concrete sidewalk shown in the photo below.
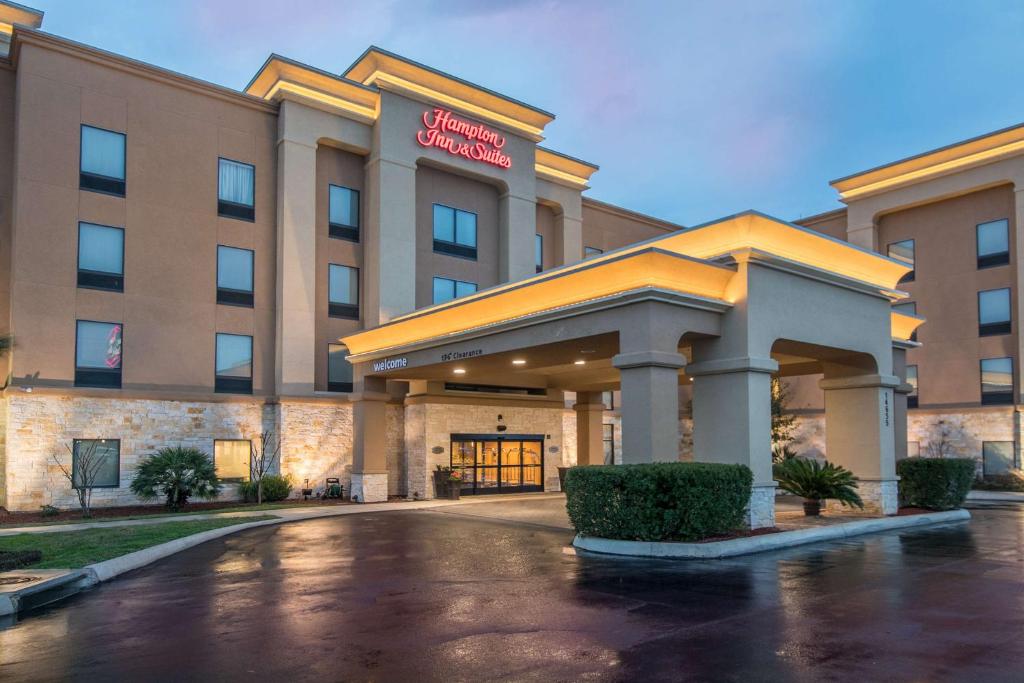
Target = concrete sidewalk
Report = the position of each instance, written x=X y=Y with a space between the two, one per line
x=283 y=514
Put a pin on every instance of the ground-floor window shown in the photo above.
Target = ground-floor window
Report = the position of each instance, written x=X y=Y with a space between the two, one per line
x=96 y=463
x=609 y=443
x=231 y=459
x=997 y=457
x=499 y=464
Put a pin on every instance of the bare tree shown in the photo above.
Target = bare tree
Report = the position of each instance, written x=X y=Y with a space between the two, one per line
x=262 y=459
x=943 y=438
x=90 y=461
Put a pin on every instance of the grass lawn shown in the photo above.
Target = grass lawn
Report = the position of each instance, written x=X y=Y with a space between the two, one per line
x=78 y=548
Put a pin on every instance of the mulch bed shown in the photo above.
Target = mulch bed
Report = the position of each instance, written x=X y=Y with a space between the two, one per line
x=75 y=515
x=904 y=512
x=744 y=533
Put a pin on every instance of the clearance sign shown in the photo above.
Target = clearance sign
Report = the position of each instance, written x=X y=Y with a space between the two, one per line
x=444 y=130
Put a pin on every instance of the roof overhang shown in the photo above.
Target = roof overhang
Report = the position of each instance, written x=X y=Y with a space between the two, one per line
x=12 y=14
x=959 y=156
x=280 y=78
x=904 y=325
x=563 y=169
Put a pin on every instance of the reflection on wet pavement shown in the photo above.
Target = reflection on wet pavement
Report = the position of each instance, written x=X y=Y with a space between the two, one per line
x=439 y=596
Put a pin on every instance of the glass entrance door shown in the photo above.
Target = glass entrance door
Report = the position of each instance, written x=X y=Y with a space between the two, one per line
x=499 y=464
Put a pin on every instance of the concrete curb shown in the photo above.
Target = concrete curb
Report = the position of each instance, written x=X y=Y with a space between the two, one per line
x=757 y=544
x=1001 y=496
x=66 y=583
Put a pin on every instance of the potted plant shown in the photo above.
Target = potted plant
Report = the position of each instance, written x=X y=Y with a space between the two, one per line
x=815 y=481
x=442 y=475
x=454 y=484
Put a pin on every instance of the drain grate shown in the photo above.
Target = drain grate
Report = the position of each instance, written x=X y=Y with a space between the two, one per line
x=15 y=580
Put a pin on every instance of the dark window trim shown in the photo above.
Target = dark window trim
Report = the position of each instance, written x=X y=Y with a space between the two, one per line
x=74 y=456
x=999 y=258
x=94 y=182
x=494 y=389
x=996 y=398
x=998 y=327
x=98 y=378
x=343 y=309
x=213 y=459
x=242 y=212
x=347 y=311
x=342 y=231
x=912 y=401
x=234 y=385
x=340 y=387
x=98 y=279
x=473 y=490
x=455 y=248
x=229 y=296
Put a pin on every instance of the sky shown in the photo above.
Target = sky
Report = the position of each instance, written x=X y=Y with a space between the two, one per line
x=693 y=110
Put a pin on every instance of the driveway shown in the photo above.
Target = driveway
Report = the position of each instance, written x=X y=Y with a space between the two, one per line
x=450 y=594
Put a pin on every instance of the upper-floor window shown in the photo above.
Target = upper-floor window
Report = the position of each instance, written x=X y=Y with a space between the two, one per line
x=993 y=243
x=339 y=370
x=912 y=381
x=98 y=354
x=996 y=381
x=904 y=251
x=909 y=308
x=993 y=312
x=96 y=463
x=343 y=213
x=233 y=364
x=343 y=291
x=234 y=276
x=236 y=189
x=232 y=459
x=454 y=231
x=101 y=166
x=538 y=251
x=592 y=251
x=100 y=257
x=446 y=289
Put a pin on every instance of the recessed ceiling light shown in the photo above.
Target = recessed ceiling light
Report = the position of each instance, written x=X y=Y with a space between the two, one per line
x=518 y=361
x=459 y=371
x=581 y=362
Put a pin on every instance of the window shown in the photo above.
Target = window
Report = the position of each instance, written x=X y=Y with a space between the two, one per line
x=997 y=457
x=912 y=381
x=101 y=166
x=339 y=370
x=236 y=190
x=909 y=308
x=446 y=290
x=343 y=292
x=903 y=251
x=608 y=399
x=454 y=231
x=98 y=354
x=343 y=213
x=993 y=243
x=231 y=459
x=96 y=460
x=233 y=372
x=608 y=437
x=993 y=312
x=100 y=257
x=538 y=252
x=592 y=251
x=996 y=381
x=234 y=276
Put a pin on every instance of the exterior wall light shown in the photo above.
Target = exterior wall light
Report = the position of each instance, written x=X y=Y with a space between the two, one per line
x=459 y=371
x=580 y=362
x=518 y=361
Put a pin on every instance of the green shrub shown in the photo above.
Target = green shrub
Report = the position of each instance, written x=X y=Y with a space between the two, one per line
x=677 y=501
x=275 y=487
x=813 y=480
x=1011 y=480
x=16 y=559
x=176 y=473
x=935 y=483
x=49 y=511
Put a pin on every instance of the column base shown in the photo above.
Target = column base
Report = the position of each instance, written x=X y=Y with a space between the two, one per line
x=369 y=488
x=761 y=510
x=880 y=496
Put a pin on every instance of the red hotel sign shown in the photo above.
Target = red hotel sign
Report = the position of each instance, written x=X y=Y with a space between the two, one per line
x=478 y=142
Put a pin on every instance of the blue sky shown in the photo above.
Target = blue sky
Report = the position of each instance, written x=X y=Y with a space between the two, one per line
x=692 y=110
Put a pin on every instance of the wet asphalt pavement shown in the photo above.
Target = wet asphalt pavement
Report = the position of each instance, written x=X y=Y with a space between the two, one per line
x=430 y=596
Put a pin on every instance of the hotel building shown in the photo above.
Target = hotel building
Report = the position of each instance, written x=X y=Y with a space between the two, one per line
x=345 y=258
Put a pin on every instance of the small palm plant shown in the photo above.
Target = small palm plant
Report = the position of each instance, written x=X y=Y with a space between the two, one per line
x=815 y=482
x=177 y=473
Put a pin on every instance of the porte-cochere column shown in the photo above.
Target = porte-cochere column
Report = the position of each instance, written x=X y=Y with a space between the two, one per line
x=649 y=381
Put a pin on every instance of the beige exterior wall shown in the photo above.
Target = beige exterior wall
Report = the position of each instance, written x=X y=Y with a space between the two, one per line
x=7 y=80
x=608 y=227
x=169 y=214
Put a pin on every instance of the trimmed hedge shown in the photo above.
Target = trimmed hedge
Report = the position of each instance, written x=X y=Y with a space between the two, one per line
x=672 y=501
x=935 y=483
x=275 y=488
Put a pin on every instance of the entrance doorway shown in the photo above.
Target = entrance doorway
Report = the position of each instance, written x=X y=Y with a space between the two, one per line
x=492 y=463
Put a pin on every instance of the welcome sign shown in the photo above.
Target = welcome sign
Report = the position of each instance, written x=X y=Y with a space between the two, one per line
x=390 y=364
x=459 y=137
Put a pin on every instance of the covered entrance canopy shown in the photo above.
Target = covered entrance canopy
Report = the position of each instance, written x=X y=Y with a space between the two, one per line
x=723 y=305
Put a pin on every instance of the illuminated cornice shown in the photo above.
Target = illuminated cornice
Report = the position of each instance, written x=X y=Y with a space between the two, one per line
x=904 y=325
x=571 y=285
x=389 y=71
x=13 y=14
x=959 y=156
x=563 y=169
x=280 y=77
